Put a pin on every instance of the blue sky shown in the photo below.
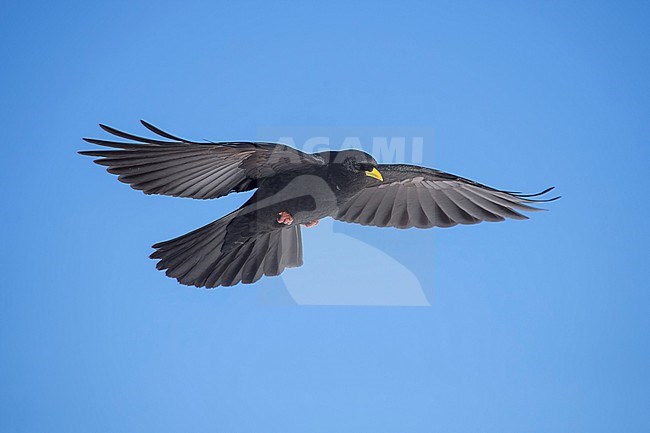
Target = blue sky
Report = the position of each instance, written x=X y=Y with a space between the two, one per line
x=534 y=326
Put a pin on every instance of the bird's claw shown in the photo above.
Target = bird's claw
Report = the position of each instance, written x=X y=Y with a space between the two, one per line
x=311 y=224
x=285 y=218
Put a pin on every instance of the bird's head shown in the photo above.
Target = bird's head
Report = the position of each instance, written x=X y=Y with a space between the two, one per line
x=357 y=163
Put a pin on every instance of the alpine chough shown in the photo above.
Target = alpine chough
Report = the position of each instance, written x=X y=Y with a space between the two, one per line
x=292 y=188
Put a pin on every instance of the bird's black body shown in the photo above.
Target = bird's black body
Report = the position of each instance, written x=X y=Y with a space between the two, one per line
x=308 y=195
x=291 y=188
x=316 y=191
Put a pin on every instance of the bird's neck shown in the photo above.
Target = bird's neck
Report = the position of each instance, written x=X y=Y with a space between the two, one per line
x=344 y=182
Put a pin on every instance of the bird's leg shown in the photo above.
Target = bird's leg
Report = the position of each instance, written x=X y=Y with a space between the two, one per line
x=311 y=224
x=285 y=218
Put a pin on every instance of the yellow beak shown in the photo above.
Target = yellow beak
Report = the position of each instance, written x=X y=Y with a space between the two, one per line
x=376 y=174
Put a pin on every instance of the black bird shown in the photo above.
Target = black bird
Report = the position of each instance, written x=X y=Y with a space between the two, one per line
x=293 y=188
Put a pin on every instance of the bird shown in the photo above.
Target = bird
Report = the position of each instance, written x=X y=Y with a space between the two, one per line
x=291 y=189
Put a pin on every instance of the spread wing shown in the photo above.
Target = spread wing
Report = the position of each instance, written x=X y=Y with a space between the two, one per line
x=412 y=196
x=184 y=168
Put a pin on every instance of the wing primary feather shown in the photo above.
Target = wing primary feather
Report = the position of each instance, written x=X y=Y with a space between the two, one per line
x=161 y=180
x=493 y=206
x=155 y=170
x=456 y=213
x=502 y=199
x=120 y=145
x=470 y=207
x=518 y=194
x=128 y=136
x=162 y=133
x=126 y=158
x=442 y=219
x=209 y=184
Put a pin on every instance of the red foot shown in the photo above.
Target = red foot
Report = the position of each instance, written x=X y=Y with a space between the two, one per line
x=312 y=224
x=285 y=218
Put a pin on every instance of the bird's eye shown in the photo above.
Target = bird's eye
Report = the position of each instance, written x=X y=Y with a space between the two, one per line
x=362 y=167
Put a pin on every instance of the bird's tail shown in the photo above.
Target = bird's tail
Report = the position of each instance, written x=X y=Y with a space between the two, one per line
x=199 y=259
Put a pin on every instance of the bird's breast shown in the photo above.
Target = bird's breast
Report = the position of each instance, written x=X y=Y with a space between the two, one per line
x=307 y=196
